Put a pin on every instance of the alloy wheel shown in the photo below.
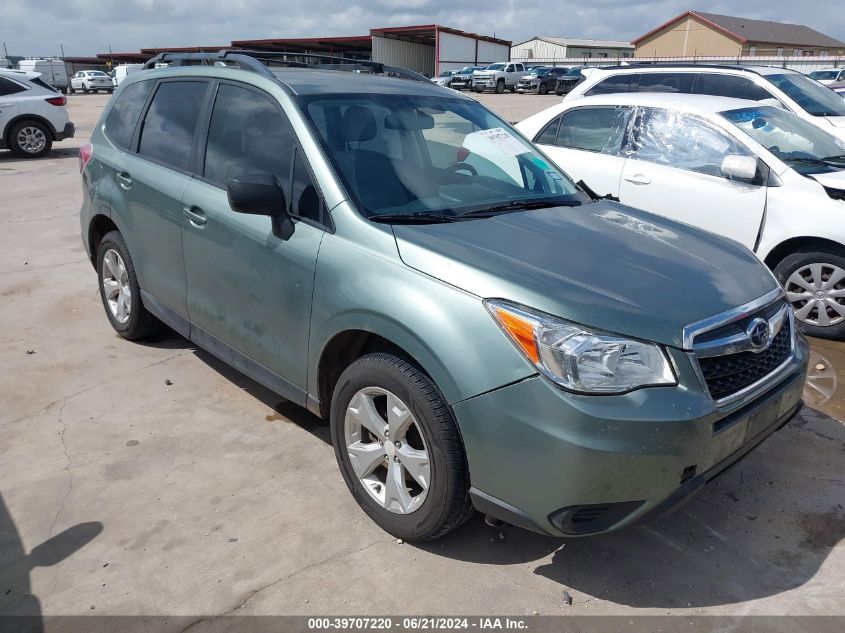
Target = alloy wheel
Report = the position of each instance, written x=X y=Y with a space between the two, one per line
x=31 y=139
x=817 y=293
x=387 y=450
x=116 y=288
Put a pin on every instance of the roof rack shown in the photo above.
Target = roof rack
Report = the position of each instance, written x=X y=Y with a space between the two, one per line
x=261 y=61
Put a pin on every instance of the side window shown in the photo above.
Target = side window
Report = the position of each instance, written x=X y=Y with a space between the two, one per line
x=620 y=83
x=737 y=87
x=520 y=68
x=248 y=134
x=667 y=82
x=305 y=201
x=594 y=129
x=683 y=141
x=509 y=68
x=120 y=123
x=8 y=87
x=167 y=134
x=549 y=133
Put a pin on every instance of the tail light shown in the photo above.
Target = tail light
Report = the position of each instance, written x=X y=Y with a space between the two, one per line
x=85 y=153
x=57 y=101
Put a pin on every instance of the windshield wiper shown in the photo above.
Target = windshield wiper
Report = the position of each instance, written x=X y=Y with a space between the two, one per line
x=811 y=161
x=838 y=158
x=419 y=217
x=519 y=205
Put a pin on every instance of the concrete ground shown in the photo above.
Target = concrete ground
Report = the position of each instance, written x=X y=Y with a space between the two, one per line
x=152 y=479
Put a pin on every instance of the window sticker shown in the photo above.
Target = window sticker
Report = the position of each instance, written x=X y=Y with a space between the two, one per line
x=502 y=140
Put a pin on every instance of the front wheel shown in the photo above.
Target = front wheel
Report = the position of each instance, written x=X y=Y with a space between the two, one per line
x=500 y=86
x=120 y=291
x=543 y=89
x=815 y=286
x=399 y=449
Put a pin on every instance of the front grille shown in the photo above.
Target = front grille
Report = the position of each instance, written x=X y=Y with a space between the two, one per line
x=730 y=374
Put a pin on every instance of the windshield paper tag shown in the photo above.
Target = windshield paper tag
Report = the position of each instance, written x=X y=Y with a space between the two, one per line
x=503 y=141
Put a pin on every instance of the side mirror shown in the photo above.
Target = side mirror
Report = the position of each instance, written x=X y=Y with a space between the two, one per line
x=739 y=167
x=260 y=194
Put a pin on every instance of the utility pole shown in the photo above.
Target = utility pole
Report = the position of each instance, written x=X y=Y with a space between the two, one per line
x=111 y=57
x=62 y=47
x=5 y=52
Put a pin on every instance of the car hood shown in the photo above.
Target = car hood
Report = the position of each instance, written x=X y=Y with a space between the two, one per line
x=833 y=179
x=602 y=265
x=487 y=72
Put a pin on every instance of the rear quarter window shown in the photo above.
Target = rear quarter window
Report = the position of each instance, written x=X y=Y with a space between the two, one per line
x=619 y=83
x=121 y=120
x=720 y=85
x=8 y=87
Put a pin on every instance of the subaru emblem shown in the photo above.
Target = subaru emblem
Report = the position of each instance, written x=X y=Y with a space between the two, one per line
x=758 y=333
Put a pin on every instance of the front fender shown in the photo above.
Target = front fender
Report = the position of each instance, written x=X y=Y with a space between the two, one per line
x=447 y=331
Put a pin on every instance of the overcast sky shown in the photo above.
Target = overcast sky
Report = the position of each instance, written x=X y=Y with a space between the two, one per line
x=86 y=27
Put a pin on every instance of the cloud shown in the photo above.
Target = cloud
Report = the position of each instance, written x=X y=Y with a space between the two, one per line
x=86 y=27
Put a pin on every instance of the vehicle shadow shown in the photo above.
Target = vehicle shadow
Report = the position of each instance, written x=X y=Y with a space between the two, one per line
x=764 y=527
x=20 y=610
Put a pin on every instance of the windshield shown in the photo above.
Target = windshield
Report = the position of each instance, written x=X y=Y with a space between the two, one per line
x=410 y=154
x=540 y=72
x=495 y=67
x=824 y=74
x=97 y=73
x=445 y=73
x=809 y=94
x=572 y=72
x=799 y=143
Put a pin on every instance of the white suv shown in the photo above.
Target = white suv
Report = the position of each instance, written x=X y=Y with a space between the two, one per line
x=32 y=115
x=751 y=172
x=775 y=86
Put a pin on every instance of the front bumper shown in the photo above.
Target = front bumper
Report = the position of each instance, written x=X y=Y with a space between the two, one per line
x=527 y=86
x=483 y=83
x=568 y=465
x=68 y=131
x=457 y=84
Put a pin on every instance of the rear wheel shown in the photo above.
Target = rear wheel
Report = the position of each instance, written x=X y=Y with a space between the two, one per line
x=71 y=90
x=120 y=292
x=30 y=139
x=399 y=449
x=815 y=286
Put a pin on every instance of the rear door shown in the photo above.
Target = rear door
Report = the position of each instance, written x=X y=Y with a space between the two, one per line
x=674 y=169
x=153 y=181
x=587 y=144
x=249 y=292
x=10 y=92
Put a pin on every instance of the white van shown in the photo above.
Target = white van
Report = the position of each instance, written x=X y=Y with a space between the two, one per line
x=53 y=71
x=119 y=73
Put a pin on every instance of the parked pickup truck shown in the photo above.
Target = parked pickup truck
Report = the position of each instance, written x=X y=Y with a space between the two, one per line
x=498 y=77
x=463 y=78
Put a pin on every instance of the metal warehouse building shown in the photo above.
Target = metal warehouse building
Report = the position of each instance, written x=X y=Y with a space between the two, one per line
x=427 y=49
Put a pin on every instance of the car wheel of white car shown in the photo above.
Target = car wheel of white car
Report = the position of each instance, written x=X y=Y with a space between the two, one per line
x=84 y=89
x=30 y=139
x=815 y=286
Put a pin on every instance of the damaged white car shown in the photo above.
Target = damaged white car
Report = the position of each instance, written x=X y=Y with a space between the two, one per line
x=751 y=172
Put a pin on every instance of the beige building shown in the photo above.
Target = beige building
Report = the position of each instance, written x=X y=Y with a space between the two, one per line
x=696 y=34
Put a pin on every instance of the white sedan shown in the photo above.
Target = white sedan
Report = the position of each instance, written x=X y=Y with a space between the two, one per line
x=755 y=173
x=91 y=81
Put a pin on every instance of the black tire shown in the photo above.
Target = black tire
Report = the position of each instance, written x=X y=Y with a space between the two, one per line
x=543 y=88
x=559 y=92
x=71 y=90
x=17 y=148
x=447 y=504
x=141 y=323
x=500 y=86
x=84 y=89
x=795 y=262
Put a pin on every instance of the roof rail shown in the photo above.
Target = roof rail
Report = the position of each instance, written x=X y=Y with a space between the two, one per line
x=260 y=61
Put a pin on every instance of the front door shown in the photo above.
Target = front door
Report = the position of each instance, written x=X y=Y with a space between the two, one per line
x=674 y=170
x=247 y=289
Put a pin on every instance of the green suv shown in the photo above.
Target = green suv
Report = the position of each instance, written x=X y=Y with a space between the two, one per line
x=479 y=332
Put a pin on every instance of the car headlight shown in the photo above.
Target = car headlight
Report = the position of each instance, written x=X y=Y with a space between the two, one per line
x=579 y=359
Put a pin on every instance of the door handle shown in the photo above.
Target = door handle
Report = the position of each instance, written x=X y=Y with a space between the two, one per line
x=124 y=179
x=638 y=179
x=196 y=216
